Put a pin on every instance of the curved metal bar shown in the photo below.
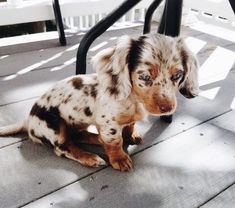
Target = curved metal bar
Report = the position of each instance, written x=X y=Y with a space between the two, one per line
x=59 y=22
x=149 y=14
x=97 y=30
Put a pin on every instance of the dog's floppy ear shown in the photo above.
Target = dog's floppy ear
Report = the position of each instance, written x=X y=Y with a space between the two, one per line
x=112 y=69
x=189 y=84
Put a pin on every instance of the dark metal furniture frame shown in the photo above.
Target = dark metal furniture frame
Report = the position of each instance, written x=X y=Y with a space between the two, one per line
x=169 y=25
x=59 y=22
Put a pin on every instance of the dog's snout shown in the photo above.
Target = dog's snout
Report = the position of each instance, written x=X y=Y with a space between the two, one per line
x=165 y=108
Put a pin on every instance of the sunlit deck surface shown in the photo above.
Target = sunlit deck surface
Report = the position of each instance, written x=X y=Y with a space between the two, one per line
x=188 y=163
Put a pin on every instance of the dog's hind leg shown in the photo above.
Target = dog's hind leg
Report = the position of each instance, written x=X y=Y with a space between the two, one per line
x=86 y=137
x=71 y=151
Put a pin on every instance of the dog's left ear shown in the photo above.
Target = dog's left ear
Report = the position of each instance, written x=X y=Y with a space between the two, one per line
x=112 y=69
x=189 y=84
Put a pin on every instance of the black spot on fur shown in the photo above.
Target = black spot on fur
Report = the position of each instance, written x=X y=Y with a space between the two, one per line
x=51 y=116
x=113 y=90
x=103 y=116
x=87 y=111
x=48 y=98
x=71 y=118
x=86 y=91
x=136 y=49
x=113 y=131
x=94 y=90
x=77 y=83
x=67 y=99
x=160 y=56
x=32 y=132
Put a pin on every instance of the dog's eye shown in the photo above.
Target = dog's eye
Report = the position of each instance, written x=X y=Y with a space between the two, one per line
x=145 y=77
x=177 y=76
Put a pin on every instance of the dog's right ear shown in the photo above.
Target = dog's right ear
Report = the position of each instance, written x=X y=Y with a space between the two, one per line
x=112 y=69
x=189 y=85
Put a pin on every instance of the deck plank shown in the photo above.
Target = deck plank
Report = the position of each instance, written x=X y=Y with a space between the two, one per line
x=224 y=200
x=181 y=172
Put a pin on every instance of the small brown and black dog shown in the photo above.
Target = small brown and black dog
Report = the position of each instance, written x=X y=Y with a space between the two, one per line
x=137 y=76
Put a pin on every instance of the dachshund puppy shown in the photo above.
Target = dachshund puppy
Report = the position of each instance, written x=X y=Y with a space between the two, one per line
x=137 y=76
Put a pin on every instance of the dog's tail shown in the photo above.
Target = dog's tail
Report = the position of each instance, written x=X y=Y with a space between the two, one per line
x=13 y=129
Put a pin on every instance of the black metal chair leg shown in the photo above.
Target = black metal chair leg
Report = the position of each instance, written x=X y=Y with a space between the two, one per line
x=149 y=14
x=59 y=22
x=171 y=18
x=232 y=3
x=170 y=25
x=97 y=30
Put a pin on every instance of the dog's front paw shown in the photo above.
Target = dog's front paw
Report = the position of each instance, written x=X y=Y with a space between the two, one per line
x=136 y=138
x=92 y=160
x=131 y=135
x=122 y=163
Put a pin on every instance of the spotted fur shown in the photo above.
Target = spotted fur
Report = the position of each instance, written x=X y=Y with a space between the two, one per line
x=138 y=76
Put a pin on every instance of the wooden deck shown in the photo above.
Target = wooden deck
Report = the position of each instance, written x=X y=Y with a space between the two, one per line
x=188 y=163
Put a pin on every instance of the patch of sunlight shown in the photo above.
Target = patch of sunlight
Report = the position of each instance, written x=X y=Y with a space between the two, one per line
x=10 y=77
x=217 y=66
x=28 y=38
x=113 y=38
x=195 y=44
x=66 y=63
x=72 y=48
x=197 y=149
x=34 y=66
x=100 y=45
x=3 y=57
x=214 y=30
x=233 y=104
x=92 y=129
x=209 y=94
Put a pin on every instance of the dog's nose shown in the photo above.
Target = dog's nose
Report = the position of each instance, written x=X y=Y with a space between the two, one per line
x=165 y=108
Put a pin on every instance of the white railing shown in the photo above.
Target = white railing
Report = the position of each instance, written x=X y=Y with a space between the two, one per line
x=77 y=13
x=83 y=14
x=217 y=12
